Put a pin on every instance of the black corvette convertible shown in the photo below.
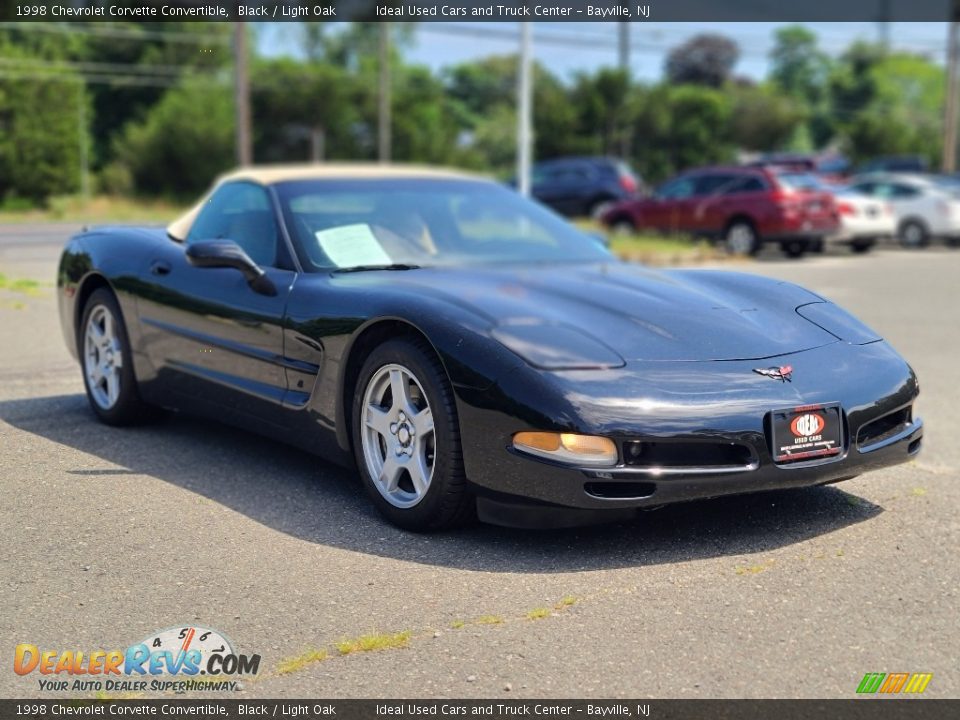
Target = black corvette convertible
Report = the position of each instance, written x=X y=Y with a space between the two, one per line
x=472 y=353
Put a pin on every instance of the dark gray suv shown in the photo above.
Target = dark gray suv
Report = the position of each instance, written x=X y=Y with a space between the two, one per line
x=583 y=186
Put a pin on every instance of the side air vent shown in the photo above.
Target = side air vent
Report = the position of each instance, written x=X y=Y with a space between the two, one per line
x=884 y=427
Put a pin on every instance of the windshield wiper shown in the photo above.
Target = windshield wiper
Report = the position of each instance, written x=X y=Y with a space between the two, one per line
x=365 y=268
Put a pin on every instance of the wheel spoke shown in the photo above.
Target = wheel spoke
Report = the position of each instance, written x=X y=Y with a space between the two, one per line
x=419 y=471
x=107 y=328
x=113 y=386
x=423 y=421
x=390 y=474
x=378 y=419
x=400 y=388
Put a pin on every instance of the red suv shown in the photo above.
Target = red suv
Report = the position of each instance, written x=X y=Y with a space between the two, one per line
x=742 y=206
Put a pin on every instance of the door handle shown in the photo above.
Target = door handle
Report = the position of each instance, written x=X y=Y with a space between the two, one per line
x=159 y=267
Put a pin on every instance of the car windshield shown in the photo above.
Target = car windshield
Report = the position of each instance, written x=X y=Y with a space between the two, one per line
x=801 y=181
x=343 y=224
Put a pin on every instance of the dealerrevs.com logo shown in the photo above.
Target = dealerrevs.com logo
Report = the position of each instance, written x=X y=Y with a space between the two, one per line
x=178 y=659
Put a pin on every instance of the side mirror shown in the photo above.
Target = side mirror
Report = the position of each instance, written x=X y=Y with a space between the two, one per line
x=227 y=254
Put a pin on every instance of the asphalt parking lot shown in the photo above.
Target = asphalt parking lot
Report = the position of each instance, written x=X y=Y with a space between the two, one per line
x=110 y=534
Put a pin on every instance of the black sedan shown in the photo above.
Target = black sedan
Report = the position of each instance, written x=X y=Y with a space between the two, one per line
x=473 y=353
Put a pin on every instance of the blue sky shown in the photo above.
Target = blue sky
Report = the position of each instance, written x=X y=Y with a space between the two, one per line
x=567 y=48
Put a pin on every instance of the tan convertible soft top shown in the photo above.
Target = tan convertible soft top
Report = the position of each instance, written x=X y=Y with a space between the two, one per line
x=270 y=174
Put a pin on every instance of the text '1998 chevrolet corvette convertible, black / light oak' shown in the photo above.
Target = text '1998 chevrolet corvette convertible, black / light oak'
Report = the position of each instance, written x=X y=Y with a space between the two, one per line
x=473 y=353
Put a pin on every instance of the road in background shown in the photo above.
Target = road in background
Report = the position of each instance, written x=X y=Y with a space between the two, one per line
x=110 y=534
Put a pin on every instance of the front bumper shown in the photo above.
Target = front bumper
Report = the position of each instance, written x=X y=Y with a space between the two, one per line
x=682 y=403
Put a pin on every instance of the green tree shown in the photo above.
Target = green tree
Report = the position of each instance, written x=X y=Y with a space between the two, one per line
x=40 y=130
x=798 y=67
x=887 y=103
x=679 y=127
x=326 y=101
x=762 y=119
x=604 y=110
x=705 y=59
x=182 y=143
x=484 y=101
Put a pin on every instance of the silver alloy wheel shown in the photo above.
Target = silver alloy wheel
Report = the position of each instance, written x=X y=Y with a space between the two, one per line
x=102 y=357
x=740 y=239
x=399 y=445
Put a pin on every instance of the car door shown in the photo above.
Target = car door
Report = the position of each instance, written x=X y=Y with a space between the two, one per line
x=905 y=200
x=562 y=186
x=211 y=338
x=713 y=204
x=669 y=208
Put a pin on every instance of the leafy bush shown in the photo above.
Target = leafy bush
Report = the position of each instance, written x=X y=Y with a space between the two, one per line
x=184 y=141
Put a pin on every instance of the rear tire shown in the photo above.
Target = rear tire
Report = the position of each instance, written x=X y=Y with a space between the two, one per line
x=406 y=438
x=794 y=248
x=741 y=238
x=622 y=226
x=107 y=363
x=913 y=234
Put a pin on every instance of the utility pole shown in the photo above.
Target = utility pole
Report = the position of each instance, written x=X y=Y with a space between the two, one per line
x=623 y=46
x=384 y=102
x=318 y=138
x=883 y=25
x=950 y=110
x=524 y=112
x=241 y=95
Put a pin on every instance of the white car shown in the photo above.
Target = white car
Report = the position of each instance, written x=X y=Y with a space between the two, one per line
x=863 y=219
x=925 y=206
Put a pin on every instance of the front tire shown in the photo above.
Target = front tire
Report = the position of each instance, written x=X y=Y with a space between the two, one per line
x=406 y=438
x=623 y=227
x=107 y=363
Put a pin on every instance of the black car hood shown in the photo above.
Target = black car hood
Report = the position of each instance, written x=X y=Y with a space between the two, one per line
x=638 y=313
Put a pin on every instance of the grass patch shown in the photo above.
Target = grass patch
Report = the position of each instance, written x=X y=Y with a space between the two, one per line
x=566 y=601
x=24 y=286
x=539 y=614
x=295 y=664
x=653 y=249
x=489 y=620
x=753 y=569
x=374 y=642
x=99 y=209
x=457 y=624
x=918 y=491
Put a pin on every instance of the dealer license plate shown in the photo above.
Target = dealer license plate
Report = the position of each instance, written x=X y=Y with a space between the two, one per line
x=806 y=432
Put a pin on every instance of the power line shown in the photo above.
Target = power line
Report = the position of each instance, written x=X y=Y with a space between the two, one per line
x=97 y=79
x=172 y=36
x=104 y=68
